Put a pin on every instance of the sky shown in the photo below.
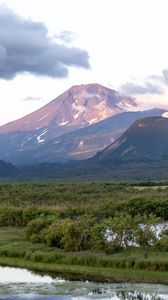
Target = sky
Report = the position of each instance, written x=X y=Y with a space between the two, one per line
x=47 y=46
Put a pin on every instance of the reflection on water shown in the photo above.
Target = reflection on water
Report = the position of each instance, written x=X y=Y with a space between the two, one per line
x=17 y=284
x=21 y=275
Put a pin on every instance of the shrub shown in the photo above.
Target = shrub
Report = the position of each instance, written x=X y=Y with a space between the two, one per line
x=11 y=216
x=162 y=244
x=35 y=228
x=76 y=235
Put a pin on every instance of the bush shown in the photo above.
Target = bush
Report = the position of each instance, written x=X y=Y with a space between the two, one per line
x=35 y=228
x=11 y=216
x=76 y=235
x=54 y=233
x=162 y=244
x=145 y=233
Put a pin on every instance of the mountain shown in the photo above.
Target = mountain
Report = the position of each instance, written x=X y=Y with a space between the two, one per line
x=7 y=170
x=145 y=141
x=79 y=144
x=78 y=107
x=86 y=142
x=74 y=126
x=141 y=152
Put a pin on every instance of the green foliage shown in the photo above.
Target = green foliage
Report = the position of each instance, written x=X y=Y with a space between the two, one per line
x=75 y=216
x=35 y=228
x=20 y=216
x=11 y=216
x=162 y=244
x=113 y=247
x=31 y=212
x=76 y=235
x=100 y=199
x=54 y=234
x=145 y=234
x=98 y=240
x=123 y=228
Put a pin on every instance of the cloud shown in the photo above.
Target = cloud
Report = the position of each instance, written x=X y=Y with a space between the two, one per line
x=65 y=36
x=165 y=75
x=26 y=47
x=161 y=78
x=31 y=98
x=131 y=88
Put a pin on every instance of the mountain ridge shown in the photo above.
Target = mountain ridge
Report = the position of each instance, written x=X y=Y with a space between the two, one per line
x=80 y=144
x=145 y=140
x=74 y=126
x=149 y=161
x=78 y=107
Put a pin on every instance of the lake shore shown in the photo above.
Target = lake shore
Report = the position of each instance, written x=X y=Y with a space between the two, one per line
x=95 y=274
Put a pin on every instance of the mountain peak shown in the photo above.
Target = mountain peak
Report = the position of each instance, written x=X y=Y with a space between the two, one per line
x=78 y=107
x=92 y=88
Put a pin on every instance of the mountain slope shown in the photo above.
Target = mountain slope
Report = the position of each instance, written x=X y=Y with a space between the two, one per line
x=77 y=108
x=146 y=140
x=79 y=144
x=140 y=153
x=7 y=169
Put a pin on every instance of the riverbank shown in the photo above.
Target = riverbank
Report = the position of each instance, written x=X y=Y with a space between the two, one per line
x=89 y=273
x=130 y=266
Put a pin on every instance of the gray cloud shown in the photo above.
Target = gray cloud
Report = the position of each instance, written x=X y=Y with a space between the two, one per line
x=66 y=36
x=137 y=89
x=165 y=75
x=161 y=78
x=26 y=47
x=31 y=98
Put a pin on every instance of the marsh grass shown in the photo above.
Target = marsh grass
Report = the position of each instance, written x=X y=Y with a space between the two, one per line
x=134 y=265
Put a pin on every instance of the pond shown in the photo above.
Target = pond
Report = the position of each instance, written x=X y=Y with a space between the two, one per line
x=17 y=284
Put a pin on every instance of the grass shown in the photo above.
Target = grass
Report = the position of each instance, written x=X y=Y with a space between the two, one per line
x=130 y=266
x=156 y=187
x=101 y=200
x=76 y=272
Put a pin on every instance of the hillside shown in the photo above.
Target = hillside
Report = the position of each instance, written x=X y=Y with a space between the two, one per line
x=141 y=152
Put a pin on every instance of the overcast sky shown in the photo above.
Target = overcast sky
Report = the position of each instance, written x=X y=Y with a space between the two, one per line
x=46 y=46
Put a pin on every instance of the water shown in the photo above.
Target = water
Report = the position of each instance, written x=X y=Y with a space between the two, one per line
x=18 y=284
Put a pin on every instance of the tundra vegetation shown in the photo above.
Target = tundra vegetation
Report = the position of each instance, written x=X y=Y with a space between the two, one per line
x=93 y=230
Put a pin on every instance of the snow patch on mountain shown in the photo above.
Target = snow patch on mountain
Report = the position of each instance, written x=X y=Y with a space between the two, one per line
x=92 y=121
x=63 y=123
x=81 y=143
x=39 y=140
x=165 y=114
x=31 y=137
x=76 y=116
x=78 y=109
x=124 y=105
x=42 y=118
